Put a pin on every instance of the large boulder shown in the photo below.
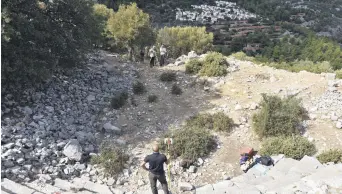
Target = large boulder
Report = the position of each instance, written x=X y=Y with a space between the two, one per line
x=73 y=150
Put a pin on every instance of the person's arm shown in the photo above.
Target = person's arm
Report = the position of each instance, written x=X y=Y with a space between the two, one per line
x=143 y=164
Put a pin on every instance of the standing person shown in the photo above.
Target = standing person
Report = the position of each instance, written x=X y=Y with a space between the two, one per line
x=142 y=55
x=156 y=169
x=162 y=55
x=152 y=54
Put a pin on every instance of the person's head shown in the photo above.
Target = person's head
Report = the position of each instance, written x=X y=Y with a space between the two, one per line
x=155 y=148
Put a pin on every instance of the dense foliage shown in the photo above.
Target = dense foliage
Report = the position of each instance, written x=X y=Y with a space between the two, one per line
x=334 y=155
x=130 y=27
x=193 y=66
x=112 y=160
x=192 y=143
x=214 y=64
x=315 y=49
x=295 y=147
x=181 y=40
x=278 y=116
x=217 y=122
x=38 y=36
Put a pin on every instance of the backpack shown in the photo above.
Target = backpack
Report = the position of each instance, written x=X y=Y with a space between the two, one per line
x=266 y=160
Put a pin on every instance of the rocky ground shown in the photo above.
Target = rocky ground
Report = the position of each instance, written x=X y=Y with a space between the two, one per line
x=51 y=131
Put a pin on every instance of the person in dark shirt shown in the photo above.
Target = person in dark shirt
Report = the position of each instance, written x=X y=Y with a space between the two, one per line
x=156 y=169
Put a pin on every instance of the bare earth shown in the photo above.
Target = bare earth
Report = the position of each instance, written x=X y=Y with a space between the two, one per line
x=146 y=122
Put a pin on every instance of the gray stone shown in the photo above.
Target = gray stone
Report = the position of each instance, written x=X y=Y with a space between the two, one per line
x=20 y=160
x=9 y=145
x=110 y=128
x=192 y=169
x=73 y=150
x=338 y=125
x=238 y=107
x=205 y=189
x=200 y=161
x=8 y=163
x=28 y=110
x=126 y=172
x=91 y=98
x=50 y=108
x=184 y=186
x=307 y=165
x=110 y=181
x=253 y=106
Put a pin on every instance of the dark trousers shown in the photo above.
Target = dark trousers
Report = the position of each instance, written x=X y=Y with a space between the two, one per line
x=153 y=180
x=152 y=61
x=162 y=60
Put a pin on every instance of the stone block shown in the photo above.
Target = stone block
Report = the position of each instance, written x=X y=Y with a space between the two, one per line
x=205 y=189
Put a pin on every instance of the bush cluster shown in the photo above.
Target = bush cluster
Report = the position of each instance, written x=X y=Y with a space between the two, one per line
x=309 y=66
x=119 y=100
x=193 y=66
x=176 y=90
x=181 y=40
x=168 y=77
x=278 y=116
x=40 y=36
x=152 y=98
x=338 y=74
x=138 y=88
x=217 y=122
x=192 y=143
x=334 y=155
x=112 y=160
x=295 y=147
x=214 y=64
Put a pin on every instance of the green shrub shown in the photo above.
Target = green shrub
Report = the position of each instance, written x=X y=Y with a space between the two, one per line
x=308 y=66
x=217 y=122
x=138 y=88
x=112 y=160
x=242 y=56
x=181 y=40
x=191 y=143
x=193 y=66
x=168 y=77
x=176 y=90
x=130 y=27
x=338 y=74
x=278 y=116
x=152 y=98
x=39 y=37
x=119 y=100
x=334 y=155
x=295 y=147
x=215 y=64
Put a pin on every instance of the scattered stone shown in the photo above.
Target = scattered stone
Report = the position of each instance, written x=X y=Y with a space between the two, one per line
x=238 y=107
x=111 y=129
x=110 y=181
x=253 y=106
x=200 y=161
x=339 y=125
x=184 y=186
x=192 y=169
x=91 y=98
x=73 y=150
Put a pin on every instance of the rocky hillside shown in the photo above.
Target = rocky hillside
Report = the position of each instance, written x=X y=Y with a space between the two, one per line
x=49 y=133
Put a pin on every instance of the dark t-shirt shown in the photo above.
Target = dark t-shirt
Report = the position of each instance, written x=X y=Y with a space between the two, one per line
x=156 y=163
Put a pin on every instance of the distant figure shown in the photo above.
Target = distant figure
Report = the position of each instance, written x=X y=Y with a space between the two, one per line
x=162 y=55
x=152 y=54
x=142 y=55
x=156 y=169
